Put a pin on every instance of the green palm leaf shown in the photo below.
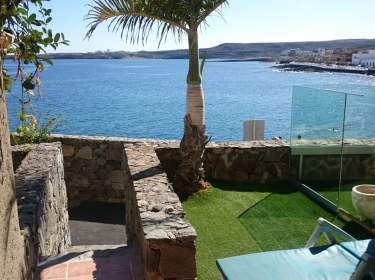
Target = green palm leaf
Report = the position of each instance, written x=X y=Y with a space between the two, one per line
x=136 y=18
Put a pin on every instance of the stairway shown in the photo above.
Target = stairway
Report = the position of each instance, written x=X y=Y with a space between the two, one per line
x=99 y=250
x=93 y=262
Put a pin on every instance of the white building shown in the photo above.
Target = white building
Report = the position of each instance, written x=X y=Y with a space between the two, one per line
x=302 y=55
x=364 y=58
x=321 y=52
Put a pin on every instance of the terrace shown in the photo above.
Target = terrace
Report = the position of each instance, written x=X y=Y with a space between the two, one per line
x=105 y=208
x=91 y=207
x=251 y=206
x=229 y=219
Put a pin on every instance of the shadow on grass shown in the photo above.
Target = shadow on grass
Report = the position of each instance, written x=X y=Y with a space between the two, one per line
x=357 y=231
x=285 y=217
x=331 y=186
x=330 y=191
x=278 y=188
x=281 y=221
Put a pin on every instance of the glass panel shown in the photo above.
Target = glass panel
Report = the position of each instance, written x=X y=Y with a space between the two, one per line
x=316 y=138
x=359 y=146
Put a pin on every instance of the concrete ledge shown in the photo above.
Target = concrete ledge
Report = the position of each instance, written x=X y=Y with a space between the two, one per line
x=155 y=217
x=42 y=202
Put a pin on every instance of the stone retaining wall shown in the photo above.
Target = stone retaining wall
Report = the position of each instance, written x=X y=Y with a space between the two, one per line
x=93 y=164
x=42 y=202
x=327 y=167
x=259 y=161
x=155 y=218
x=93 y=168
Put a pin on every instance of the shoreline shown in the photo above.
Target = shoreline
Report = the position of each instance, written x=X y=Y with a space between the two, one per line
x=253 y=59
x=316 y=67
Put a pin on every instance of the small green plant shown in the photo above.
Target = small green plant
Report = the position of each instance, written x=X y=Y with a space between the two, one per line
x=34 y=131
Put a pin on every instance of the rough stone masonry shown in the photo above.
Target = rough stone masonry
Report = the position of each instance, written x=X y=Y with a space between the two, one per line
x=155 y=218
x=42 y=202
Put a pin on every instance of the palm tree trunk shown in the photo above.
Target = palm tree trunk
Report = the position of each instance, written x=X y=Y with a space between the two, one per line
x=189 y=177
x=194 y=95
x=11 y=244
x=195 y=105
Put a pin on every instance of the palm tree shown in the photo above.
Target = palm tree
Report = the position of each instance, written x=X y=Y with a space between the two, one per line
x=135 y=19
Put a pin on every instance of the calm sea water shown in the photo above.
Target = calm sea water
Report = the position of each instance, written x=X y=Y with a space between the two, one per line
x=146 y=98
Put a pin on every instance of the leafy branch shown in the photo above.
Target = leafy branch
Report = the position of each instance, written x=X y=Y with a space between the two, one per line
x=24 y=37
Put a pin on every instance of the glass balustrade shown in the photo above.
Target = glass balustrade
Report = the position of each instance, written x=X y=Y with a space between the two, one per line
x=333 y=140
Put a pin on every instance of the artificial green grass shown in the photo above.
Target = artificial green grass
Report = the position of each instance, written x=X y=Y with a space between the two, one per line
x=284 y=220
x=331 y=193
x=329 y=190
x=214 y=214
x=233 y=219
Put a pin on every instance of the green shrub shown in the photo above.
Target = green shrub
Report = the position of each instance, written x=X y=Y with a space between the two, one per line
x=32 y=131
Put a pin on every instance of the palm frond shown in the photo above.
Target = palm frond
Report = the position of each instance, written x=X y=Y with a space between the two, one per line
x=207 y=7
x=136 y=18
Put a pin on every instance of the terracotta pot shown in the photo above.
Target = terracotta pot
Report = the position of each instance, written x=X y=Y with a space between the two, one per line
x=363 y=198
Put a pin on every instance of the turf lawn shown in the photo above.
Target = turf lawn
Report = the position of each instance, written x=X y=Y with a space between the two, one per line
x=233 y=219
x=330 y=191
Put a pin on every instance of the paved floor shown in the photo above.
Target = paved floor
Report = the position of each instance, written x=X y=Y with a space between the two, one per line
x=97 y=224
x=99 y=249
x=109 y=264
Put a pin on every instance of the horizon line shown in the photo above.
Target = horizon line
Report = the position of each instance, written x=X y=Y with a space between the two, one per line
x=239 y=43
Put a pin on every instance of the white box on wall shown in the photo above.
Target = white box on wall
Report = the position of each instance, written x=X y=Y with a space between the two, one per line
x=253 y=130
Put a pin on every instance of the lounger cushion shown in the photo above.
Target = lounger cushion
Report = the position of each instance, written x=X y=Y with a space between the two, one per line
x=330 y=262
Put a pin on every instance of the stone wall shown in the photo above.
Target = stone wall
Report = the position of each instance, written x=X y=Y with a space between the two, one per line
x=12 y=251
x=155 y=218
x=258 y=161
x=93 y=164
x=93 y=168
x=327 y=167
x=42 y=202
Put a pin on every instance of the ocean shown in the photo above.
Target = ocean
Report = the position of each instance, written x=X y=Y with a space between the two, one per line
x=146 y=98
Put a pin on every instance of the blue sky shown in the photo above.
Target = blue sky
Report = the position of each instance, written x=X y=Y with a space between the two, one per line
x=244 y=21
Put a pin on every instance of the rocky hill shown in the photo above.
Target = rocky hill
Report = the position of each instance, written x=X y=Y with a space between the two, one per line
x=229 y=50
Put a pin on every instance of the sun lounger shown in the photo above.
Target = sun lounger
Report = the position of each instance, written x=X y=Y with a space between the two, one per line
x=347 y=260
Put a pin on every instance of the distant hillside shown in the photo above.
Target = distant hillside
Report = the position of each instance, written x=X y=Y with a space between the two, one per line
x=230 y=50
x=92 y=55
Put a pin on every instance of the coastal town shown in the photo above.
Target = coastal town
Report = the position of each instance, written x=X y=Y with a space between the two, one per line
x=363 y=58
x=328 y=60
